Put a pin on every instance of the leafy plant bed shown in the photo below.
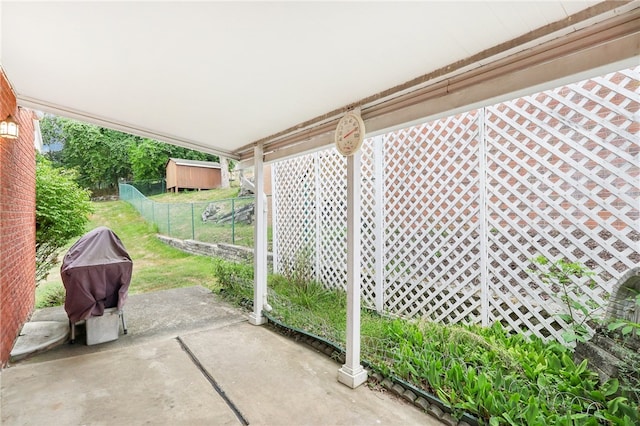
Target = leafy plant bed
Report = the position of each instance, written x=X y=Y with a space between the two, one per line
x=418 y=397
x=483 y=373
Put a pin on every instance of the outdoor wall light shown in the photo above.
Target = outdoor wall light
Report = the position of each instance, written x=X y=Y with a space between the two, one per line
x=9 y=128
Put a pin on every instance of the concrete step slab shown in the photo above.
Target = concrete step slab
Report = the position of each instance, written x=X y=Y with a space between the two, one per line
x=39 y=336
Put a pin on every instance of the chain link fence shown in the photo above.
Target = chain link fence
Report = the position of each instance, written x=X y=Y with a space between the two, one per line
x=149 y=187
x=228 y=221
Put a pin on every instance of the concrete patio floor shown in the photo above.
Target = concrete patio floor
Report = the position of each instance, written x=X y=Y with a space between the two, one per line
x=189 y=359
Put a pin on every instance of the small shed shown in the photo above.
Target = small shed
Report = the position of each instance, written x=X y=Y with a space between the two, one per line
x=192 y=174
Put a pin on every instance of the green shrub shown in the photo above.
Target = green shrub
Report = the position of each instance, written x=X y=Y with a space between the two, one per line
x=563 y=277
x=236 y=281
x=52 y=295
x=62 y=211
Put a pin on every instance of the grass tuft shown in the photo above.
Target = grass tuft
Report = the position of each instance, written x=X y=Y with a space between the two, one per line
x=52 y=294
x=194 y=196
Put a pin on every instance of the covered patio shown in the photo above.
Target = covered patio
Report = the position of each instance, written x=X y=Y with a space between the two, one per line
x=190 y=359
x=262 y=82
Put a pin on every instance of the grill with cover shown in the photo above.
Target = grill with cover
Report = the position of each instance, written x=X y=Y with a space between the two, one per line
x=96 y=273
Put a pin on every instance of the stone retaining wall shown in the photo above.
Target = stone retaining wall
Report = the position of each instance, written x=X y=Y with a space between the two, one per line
x=228 y=252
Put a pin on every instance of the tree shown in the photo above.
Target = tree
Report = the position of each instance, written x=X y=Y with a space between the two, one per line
x=100 y=156
x=53 y=138
x=149 y=158
x=62 y=211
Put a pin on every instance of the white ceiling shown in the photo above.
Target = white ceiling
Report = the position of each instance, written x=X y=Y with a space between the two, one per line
x=220 y=75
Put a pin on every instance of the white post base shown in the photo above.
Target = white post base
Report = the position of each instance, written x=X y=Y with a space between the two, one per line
x=352 y=378
x=257 y=320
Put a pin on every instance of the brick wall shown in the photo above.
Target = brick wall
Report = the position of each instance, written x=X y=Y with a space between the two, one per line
x=17 y=223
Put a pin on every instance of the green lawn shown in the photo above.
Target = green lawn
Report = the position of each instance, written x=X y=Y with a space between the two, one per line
x=156 y=266
x=194 y=196
x=180 y=216
x=184 y=220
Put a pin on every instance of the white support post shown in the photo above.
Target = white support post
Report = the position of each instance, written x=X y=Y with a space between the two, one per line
x=274 y=219
x=352 y=374
x=260 y=241
x=378 y=173
x=484 y=222
x=318 y=204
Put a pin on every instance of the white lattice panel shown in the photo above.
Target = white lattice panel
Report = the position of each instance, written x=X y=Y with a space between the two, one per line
x=330 y=180
x=432 y=220
x=562 y=177
x=333 y=218
x=563 y=182
x=368 y=229
x=295 y=182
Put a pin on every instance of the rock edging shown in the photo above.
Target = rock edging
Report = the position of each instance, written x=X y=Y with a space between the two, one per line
x=230 y=252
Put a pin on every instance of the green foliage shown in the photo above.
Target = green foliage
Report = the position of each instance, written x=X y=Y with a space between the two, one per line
x=500 y=378
x=627 y=332
x=235 y=280
x=149 y=158
x=503 y=379
x=207 y=196
x=563 y=279
x=62 y=211
x=52 y=295
x=300 y=271
x=53 y=138
x=627 y=326
x=101 y=156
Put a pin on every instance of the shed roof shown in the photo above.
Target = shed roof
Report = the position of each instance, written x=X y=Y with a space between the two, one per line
x=196 y=163
x=221 y=76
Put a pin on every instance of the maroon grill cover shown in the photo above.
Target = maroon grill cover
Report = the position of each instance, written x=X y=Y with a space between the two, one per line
x=96 y=272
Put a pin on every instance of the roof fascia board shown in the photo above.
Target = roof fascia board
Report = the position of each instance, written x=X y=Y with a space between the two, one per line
x=610 y=42
x=187 y=163
x=198 y=166
x=39 y=105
